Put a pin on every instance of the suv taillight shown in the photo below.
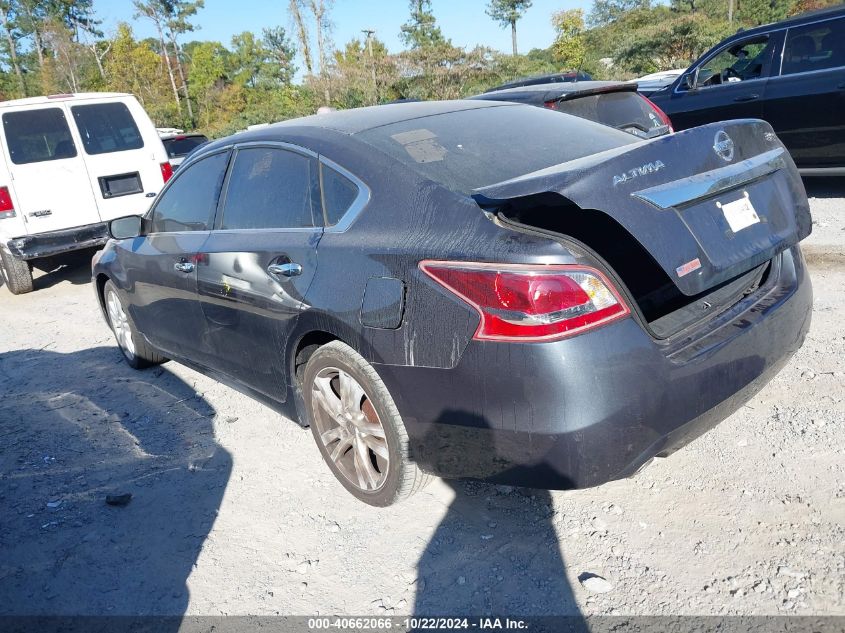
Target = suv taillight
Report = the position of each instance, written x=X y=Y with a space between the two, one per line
x=526 y=302
x=166 y=171
x=7 y=207
x=660 y=113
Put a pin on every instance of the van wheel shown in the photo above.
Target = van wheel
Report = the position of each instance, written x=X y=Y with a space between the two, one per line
x=17 y=273
x=135 y=349
x=357 y=427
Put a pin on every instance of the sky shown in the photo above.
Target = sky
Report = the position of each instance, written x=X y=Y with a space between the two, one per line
x=463 y=21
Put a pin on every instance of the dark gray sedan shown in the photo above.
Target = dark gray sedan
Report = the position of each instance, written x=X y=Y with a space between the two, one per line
x=473 y=289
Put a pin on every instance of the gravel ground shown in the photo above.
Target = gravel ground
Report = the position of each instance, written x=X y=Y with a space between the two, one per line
x=233 y=511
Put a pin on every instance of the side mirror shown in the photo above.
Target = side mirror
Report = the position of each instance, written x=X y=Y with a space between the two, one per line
x=691 y=80
x=126 y=227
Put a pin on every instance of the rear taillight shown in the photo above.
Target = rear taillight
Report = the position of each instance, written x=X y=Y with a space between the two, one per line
x=7 y=207
x=551 y=105
x=166 y=171
x=523 y=302
x=660 y=113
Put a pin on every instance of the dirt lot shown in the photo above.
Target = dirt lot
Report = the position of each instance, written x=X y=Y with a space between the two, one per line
x=233 y=511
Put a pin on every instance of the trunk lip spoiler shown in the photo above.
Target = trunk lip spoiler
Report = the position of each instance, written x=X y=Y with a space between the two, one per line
x=693 y=188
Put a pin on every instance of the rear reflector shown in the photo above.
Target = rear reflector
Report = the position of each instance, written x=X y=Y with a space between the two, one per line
x=525 y=302
x=660 y=113
x=551 y=105
x=166 y=171
x=7 y=208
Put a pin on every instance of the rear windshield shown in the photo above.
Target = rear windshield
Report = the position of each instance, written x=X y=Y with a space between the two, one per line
x=106 y=128
x=468 y=149
x=183 y=145
x=624 y=110
x=35 y=136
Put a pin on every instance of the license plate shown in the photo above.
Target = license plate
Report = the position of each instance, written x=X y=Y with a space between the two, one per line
x=740 y=214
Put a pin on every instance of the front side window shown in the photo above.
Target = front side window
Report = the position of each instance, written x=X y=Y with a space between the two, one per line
x=107 y=127
x=188 y=204
x=739 y=62
x=814 y=47
x=36 y=136
x=270 y=188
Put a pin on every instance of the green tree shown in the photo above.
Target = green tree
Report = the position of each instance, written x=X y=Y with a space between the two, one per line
x=421 y=31
x=508 y=13
x=569 y=47
x=208 y=74
x=604 y=12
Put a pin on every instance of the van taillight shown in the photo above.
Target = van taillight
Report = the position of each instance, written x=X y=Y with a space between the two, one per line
x=7 y=207
x=525 y=302
x=166 y=171
x=660 y=113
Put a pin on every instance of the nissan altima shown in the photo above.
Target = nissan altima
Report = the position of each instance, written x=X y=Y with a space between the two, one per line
x=473 y=289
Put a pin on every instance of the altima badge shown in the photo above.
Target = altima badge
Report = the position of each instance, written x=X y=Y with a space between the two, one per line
x=642 y=170
x=723 y=145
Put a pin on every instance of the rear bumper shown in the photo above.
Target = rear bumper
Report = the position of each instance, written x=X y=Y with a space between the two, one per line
x=594 y=408
x=52 y=243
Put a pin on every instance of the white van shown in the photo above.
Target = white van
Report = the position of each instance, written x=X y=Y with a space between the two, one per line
x=69 y=164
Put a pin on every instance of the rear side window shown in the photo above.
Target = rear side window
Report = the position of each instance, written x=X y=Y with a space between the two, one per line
x=624 y=110
x=468 y=149
x=270 y=188
x=183 y=145
x=107 y=127
x=814 y=47
x=188 y=204
x=338 y=194
x=36 y=136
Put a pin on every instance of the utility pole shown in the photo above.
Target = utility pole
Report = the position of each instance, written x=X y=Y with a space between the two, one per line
x=368 y=33
x=730 y=11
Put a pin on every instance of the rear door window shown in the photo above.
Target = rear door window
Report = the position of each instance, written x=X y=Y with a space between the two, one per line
x=183 y=145
x=814 y=47
x=271 y=188
x=190 y=201
x=338 y=194
x=36 y=136
x=106 y=128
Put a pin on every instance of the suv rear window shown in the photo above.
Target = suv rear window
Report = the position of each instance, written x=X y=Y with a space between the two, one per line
x=468 y=149
x=624 y=110
x=183 y=145
x=36 y=136
x=106 y=128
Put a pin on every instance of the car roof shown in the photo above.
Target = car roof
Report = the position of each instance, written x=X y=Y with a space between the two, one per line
x=558 y=89
x=173 y=135
x=79 y=96
x=541 y=79
x=804 y=18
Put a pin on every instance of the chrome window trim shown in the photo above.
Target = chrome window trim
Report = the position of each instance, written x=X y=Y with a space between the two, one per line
x=358 y=204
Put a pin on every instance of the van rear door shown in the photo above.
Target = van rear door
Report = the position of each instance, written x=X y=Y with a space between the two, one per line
x=49 y=180
x=122 y=152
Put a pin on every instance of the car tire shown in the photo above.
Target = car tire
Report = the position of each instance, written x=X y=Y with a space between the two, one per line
x=357 y=427
x=17 y=273
x=137 y=352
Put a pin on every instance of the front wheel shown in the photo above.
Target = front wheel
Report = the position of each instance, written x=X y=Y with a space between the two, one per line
x=357 y=427
x=17 y=274
x=135 y=349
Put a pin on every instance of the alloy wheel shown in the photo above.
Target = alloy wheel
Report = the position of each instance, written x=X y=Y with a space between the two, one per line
x=120 y=325
x=350 y=429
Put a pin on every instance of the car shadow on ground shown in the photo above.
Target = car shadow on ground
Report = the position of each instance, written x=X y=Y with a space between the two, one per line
x=496 y=553
x=825 y=187
x=76 y=270
x=75 y=428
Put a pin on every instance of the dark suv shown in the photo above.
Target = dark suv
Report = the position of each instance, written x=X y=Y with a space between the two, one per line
x=791 y=74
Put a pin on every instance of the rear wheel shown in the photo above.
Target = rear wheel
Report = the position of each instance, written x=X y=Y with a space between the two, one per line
x=357 y=427
x=135 y=349
x=17 y=274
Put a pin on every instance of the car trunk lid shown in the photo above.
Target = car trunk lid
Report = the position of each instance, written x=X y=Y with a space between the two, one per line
x=708 y=204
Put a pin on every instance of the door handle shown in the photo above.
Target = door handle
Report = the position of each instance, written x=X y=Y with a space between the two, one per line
x=750 y=97
x=184 y=267
x=289 y=269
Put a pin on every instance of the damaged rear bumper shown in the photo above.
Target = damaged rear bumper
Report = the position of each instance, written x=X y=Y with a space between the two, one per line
x=52 y=243
x=597 y=407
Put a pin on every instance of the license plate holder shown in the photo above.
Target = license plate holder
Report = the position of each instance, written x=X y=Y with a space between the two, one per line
x=739 y=214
